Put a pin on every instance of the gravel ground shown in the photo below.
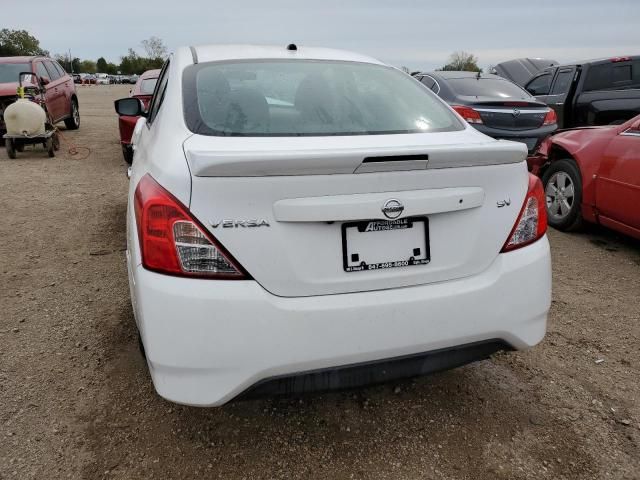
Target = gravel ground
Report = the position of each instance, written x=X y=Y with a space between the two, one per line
x=76 y=400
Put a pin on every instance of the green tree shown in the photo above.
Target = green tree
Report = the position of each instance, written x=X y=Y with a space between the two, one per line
x=87 y=66
x=19 y=42
x=76 y=64
x=462 y=61
x=101 y=65
x=155 y=48
x=62 y=60
x=111 y=69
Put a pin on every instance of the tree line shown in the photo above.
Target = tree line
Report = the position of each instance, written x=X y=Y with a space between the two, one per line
x=21 y=42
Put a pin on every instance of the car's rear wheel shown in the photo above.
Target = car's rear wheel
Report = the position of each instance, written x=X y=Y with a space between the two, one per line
x=563 y=191
x=9 y=145
x=73 y=122
x=127 y=153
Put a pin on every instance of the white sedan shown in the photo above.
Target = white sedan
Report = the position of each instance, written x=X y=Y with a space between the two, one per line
x=310 y=219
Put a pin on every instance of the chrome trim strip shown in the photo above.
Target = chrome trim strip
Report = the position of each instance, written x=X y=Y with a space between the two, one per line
x=522 y=110
x=627 y=133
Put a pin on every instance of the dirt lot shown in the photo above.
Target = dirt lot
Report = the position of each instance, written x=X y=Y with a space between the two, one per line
x=76 y=400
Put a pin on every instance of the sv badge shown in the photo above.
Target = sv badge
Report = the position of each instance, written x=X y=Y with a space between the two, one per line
x=503 y=203
x=240 y=223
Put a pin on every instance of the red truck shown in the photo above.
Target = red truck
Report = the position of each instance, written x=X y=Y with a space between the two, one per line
x=142 y=90
x=61 y=100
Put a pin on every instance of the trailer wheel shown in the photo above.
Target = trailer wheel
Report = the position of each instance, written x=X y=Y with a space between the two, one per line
x=11 y=151
x=50 y=149
x=18 y=145
x=56 y=142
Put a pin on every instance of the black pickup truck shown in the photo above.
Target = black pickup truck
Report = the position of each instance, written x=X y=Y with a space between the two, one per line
x=597 y=92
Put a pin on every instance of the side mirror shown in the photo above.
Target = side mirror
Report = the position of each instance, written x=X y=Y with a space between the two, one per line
x=45 y=80
x=132 y=107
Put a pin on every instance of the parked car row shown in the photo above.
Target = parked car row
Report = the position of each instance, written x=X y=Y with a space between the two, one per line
x=590 y=169
x=103 y=79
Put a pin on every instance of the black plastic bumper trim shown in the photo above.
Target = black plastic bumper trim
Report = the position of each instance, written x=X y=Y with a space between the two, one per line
x=375 y=372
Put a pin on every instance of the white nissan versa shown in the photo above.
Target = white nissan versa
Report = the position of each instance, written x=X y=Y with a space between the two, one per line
x=309 y=219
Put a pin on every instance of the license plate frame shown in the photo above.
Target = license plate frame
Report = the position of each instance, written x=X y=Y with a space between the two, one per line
x=386 y=225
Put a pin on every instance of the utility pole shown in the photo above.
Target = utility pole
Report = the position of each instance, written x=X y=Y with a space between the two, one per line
x=70 y=62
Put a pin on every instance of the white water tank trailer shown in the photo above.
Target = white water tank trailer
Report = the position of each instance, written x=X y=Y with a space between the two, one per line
x=24 y=117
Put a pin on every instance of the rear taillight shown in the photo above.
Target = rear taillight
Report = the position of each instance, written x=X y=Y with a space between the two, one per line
x=550 y=118
x=175 y=243
x=532 y=220
x=468 y=113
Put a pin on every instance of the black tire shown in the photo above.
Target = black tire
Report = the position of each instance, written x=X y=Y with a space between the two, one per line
x=564 y=205
x=18 y=145
x=127 y=153
x=9 y=145
x=49 y=146
x=73 y=122
x=56 y=142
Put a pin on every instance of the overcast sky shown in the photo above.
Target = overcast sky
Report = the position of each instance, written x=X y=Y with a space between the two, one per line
x=417 y=34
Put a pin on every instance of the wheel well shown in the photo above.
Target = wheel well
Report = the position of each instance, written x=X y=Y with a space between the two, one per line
x=556 y=152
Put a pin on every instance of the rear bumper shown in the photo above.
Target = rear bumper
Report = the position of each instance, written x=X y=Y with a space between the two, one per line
x=208 y=341
x=517 y=135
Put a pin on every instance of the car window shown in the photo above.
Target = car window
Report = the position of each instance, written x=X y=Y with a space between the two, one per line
x=41 y=71
x=10 y=72
x=562 y=83
x=428 y=82
x=308 y=98
x=486 y=87
x=59 y=69
x=540 y=85
x=53 y=73
x=158 y=93
x=613 y=75
x=431 y=83
x=621 y=73
x=147 y=86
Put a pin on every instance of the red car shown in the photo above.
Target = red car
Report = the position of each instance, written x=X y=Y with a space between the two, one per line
x=60 y=92
x=143 y=89
x=592 y=174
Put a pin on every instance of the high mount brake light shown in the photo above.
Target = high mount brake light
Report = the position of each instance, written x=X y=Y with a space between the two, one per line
x=531 y=224
x=175 y=243
x=468 y=113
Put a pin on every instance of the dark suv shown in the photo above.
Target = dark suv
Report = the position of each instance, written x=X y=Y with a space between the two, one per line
x=595 y=92
x=60 y=95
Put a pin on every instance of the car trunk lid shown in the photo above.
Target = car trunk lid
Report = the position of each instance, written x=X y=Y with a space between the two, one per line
x=511 y=115
x=294 y=211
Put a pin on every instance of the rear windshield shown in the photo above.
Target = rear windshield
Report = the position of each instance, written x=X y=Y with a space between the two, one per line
x=486 y=87
x=308 y=98
x=9 y=72
x=613 y=75
x=148 y=85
